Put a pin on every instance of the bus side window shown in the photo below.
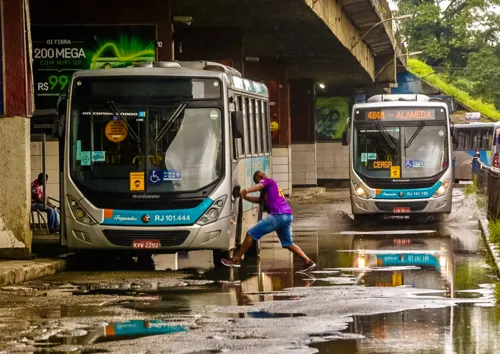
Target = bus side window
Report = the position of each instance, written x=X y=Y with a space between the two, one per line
x=251 y=133
x=265 y=128
x=239 y=150
x=257 y=127
x=246 y=140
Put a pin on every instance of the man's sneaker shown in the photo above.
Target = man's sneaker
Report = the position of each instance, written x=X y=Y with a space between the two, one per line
x=310 y=266
x=230 y=263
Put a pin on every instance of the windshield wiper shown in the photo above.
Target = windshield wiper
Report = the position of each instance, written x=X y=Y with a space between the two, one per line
x=385 y=135
x=131 y=131
x=419 y=129
x=171 y=120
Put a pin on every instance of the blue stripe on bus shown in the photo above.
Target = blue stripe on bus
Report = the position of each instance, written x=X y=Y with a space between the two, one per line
x=157 y=217
x=484 y=156
x=416 y=259
x=417 y=193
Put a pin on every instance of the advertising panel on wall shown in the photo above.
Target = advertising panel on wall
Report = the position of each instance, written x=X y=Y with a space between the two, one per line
x=331 y=117
x=59 y=51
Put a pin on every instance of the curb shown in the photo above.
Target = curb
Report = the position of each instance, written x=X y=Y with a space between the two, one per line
x=15 y=272
x=493 y=250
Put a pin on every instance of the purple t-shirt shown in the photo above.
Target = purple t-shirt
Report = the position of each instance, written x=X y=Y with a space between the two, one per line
x=275 y=199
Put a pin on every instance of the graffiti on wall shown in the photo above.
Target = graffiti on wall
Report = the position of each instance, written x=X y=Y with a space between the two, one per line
x=331 y=117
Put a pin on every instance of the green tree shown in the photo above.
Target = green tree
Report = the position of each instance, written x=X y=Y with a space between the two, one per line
x=460 y=39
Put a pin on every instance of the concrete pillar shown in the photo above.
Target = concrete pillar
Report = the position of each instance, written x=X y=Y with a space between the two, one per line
x=273 y=73
x=15 y=234
x=303 y=131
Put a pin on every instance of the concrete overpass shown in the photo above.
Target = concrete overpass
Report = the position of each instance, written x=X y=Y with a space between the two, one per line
x=291 y=45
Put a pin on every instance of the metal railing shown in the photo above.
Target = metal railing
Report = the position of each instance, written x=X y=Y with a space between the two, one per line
x=488 y=185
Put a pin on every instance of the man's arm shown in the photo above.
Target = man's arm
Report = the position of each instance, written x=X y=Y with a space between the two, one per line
x=256 y=188
x=252 y=199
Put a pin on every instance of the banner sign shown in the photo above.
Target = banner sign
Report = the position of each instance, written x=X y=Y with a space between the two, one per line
x=59 y=51
x=472 y=116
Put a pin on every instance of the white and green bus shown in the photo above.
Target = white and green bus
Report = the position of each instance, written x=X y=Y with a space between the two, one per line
x=400 y=156
x=154 y=157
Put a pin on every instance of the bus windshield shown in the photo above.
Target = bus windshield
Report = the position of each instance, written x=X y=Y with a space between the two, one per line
x=400 y=151
x=130 y=146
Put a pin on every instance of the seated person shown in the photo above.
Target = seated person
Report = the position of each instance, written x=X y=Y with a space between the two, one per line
x=37 y=198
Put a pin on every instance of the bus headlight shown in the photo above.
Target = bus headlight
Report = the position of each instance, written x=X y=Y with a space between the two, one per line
x=213 y=213
x=442 y=189
x=360 y=191
x=79 y=212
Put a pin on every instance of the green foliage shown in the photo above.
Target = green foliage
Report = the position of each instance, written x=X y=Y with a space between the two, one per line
x=494 y=226
x=460 y=39
x=427 y=73
x=471 y=189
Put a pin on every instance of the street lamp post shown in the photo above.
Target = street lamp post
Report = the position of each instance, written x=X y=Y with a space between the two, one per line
x=402 y=17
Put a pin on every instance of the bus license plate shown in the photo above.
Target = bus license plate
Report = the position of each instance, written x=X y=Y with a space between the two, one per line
x=401 y=210
x=146 y=244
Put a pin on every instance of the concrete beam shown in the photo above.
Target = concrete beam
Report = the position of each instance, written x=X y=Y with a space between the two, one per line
x=338 y=22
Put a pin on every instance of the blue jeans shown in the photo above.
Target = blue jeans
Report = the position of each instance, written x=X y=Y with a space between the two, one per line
x=52 y=221
x=281 y=223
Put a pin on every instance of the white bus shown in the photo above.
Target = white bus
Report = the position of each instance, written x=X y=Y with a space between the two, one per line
x=154 y=157
x=471 y=139
x=400 y=156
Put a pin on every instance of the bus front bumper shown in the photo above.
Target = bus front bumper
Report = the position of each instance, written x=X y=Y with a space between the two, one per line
x=173 y=238
x=401 y=206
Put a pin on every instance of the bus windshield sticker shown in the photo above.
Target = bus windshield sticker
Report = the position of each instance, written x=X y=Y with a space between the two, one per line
x=136 y=181
x=141 y=115
x=418 y=164
x=441 y=133
x=99 y=156
x=78 y=150
x=395 y=172
x=85 y=158
x=372 y=156
x=156 y=176
x=116 y=131
x=172 y=175
x=409 y=164
x=364 y=157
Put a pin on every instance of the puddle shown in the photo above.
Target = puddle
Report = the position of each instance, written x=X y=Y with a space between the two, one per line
x=73 y=341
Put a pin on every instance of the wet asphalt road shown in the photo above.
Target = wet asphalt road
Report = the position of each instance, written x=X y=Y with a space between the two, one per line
x=394 y=286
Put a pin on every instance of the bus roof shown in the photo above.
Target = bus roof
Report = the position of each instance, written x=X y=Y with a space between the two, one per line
x=473 y=125
x=185 y=69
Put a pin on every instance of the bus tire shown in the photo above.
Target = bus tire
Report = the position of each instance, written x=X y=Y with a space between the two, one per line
x=362 y=219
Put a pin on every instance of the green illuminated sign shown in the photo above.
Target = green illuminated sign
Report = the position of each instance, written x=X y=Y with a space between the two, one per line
x=58 y=51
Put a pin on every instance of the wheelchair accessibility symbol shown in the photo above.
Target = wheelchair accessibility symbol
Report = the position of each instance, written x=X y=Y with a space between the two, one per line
x=156 y=176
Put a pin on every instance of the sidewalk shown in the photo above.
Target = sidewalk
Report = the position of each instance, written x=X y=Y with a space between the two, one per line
x=15 y=272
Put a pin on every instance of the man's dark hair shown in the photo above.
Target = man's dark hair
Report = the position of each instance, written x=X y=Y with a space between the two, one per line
x=256 y=174
x=40 y=177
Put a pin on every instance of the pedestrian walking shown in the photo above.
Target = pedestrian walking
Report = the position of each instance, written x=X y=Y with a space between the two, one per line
x=279 y=219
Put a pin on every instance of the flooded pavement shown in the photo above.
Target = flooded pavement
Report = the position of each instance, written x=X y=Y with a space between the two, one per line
x=391 y=287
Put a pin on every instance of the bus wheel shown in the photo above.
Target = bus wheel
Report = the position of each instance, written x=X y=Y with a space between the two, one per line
x=362 y=219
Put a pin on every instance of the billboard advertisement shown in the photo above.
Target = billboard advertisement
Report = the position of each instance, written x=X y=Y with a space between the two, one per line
x=59 y=51
x=331 y=117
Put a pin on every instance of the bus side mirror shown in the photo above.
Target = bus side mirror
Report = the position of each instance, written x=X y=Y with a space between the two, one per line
x=59 y=124
x=237 y=125
x=344 y=138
